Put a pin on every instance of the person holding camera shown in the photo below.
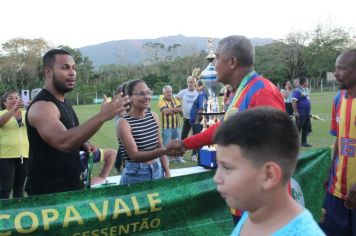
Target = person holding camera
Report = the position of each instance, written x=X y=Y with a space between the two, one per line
x=13 y=146
x=287 y=93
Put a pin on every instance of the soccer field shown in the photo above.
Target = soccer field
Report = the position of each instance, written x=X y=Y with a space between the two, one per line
x=320 y=137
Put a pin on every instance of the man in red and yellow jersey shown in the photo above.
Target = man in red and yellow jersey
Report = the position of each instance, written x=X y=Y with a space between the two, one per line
x=340 y=201
x=234 y=63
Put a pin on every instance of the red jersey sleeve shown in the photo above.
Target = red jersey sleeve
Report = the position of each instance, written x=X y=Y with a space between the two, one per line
x=201 y=139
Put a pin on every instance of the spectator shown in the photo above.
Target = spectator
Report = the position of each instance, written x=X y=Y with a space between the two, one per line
x=287 y=93
x=198 y=106
x=106 y=155
x=138 y=134
x=13 y=146
x=187 y=97
x=54 y=133
x=301 y=109
x=228 y=96
x=170 y=109
x=254 y=171
x=339 y=213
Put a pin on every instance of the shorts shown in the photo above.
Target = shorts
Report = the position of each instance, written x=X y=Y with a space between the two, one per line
x=336 y=219
x=139 y=172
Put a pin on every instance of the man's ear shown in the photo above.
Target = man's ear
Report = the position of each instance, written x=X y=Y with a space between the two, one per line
x=47 y=70
x=234 y=62
x=272 y=175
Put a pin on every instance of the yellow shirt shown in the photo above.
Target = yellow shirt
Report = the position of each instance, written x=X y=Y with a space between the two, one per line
x=13 y=139
x=169 y=121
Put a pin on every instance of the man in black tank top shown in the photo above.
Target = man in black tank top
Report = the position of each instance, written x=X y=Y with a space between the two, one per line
x=54 y=133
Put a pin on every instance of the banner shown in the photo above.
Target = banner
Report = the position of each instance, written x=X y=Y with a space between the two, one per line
x=311 y=173
x=184 y=205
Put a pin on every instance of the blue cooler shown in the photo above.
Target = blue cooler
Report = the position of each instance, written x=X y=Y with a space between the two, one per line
x=207 y=158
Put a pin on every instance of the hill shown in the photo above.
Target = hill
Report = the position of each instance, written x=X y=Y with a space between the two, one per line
x=138 y=51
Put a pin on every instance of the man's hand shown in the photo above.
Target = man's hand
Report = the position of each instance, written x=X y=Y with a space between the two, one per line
x=350 y=201
x=88 y=147
x=97 y=180
x=18 y=105
x=117 y=105
x=175 y=148
x=167 y=174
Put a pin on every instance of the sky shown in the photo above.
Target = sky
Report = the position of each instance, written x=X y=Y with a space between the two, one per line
x=79 y=23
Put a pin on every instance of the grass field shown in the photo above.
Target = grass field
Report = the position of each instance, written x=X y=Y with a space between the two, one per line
x=106 y=136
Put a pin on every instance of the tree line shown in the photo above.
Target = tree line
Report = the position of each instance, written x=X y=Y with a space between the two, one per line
x=310 y=54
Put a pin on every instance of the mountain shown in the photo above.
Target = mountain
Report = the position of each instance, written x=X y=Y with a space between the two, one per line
x=136 y=51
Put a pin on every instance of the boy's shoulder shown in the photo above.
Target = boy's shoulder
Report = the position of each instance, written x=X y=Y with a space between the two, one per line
x=303 y=224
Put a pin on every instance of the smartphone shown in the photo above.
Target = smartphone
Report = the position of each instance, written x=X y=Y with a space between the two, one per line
x=25 y=96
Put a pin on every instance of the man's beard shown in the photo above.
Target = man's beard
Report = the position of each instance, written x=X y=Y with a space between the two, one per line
x=341 y=85
x=59 y=86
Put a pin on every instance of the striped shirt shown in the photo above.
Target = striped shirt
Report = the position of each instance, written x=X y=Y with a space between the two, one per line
x=144 y=131
x=169 y=121
x=343 y=126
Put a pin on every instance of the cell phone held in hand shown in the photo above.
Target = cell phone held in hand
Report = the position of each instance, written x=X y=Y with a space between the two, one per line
x=25 y=96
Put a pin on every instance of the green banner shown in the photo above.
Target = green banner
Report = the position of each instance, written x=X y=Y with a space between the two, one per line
x=185 y=205
x=311 y=173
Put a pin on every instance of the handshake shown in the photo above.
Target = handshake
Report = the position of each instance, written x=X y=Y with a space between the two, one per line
x=175 y=148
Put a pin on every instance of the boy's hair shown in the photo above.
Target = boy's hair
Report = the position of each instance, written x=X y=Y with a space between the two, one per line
x=49 y=58
x=263 y=134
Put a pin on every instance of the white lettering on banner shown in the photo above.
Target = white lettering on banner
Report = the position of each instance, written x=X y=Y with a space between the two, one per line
x=297 y=193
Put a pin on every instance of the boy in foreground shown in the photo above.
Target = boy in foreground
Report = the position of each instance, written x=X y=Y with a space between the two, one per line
x=257 y=153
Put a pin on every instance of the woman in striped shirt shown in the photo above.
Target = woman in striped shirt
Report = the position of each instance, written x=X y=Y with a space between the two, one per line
x=140 y=138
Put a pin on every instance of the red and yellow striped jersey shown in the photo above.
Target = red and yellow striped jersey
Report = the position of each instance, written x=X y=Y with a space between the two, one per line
x=343 y=126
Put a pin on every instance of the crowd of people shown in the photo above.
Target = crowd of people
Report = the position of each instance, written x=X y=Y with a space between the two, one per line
x=258 y=140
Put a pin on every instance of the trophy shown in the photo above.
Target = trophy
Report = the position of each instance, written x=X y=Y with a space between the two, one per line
x=212 y=112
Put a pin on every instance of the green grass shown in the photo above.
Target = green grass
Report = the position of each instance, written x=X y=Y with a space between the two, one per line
x=106 y=136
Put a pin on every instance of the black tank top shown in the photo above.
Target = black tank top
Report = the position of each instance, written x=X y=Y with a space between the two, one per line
x=51 y=170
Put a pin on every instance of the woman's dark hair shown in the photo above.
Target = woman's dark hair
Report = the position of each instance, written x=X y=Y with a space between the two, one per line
x=121 y=88
x=4 y=97
x=129 y=88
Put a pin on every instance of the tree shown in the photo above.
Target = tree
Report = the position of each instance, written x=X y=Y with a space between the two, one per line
x=313 y=53
x=159 y=52
x=294 y=53
x=326 y=44
x=20 y=64
x=269 y=62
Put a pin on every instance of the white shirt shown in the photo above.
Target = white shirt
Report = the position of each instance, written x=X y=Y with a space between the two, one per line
x=187 y=98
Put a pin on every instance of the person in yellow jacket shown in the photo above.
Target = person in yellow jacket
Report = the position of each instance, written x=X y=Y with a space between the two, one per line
x=13 y=146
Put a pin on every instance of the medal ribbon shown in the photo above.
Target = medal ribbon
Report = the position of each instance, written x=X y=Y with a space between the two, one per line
x=251 y=75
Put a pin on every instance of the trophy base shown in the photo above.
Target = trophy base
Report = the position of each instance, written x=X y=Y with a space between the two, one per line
x=207 y=159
